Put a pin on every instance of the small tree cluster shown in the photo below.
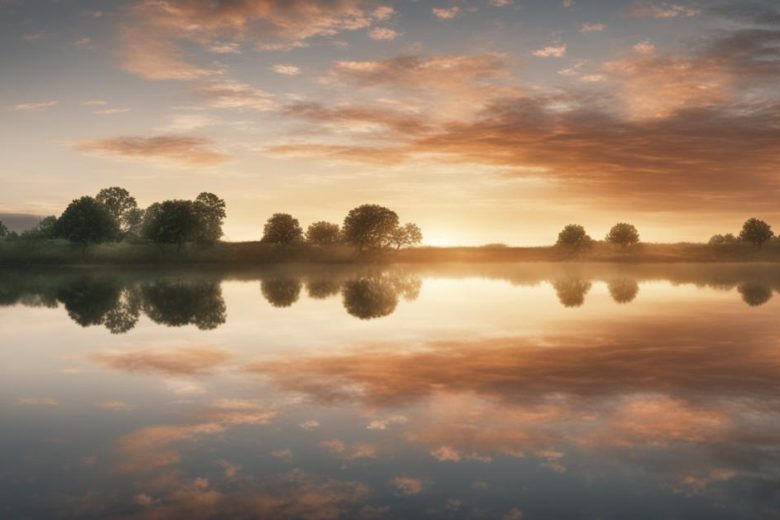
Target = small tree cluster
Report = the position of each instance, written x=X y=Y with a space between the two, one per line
x=181 y=221
x=369 y=226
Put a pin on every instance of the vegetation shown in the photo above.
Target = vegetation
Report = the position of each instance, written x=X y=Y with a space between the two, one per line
x=623 y=234
x=86 y=221
x=574 y=237
x=323 y=234
x=756 y=232
x=282 y=228
x=370 y=226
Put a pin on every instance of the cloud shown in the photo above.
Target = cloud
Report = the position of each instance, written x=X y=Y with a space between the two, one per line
x=286 y=70
x=551 y=51
x=590 y=27
x=44 y=402
x=39 y=106
x=662 y=10
x=355 y=451
x=234 y=94
x=113 y=405
x=359 y=118
x=155 y=33
x=188 y=150
x=382 y=33
x=188 y=361
x=446 y=13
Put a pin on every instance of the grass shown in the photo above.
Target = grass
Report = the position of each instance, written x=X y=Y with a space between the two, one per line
x=58 y=252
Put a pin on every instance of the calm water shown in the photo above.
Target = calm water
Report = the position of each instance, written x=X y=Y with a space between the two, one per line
x=523 y=391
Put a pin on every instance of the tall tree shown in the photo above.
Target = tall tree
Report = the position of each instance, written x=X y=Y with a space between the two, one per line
x=323 y=233
x=4 y=231
x=210 y=211
x=573 y=236
x=756 y=232
x=120 y=203
x=370 y=226
x=282 y=228
x=86 y=221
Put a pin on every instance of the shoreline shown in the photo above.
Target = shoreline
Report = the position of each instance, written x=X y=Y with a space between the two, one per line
x=246 y=254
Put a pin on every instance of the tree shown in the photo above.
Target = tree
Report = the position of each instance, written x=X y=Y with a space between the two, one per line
x=574 y=236
x=44 y=230
x=369 y=298
x=282 y=228
x=134 y=220
x=623 y=234
x=756 y=232
x=210 y=211
x=323 y=233
x=4 y=231
x=370 y=226
x=85 y=220
x=406 y=236
x=120 y=203
x=171 y=222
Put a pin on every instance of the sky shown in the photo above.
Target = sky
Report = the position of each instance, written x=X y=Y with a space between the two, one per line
x=483 y=121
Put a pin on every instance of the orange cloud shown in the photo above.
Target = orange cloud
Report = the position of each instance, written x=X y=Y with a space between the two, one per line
x=188 y=150
x=184 y=361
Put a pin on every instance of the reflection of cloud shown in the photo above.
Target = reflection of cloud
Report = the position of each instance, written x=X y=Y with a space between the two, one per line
x=407 y=485
x=188 y=150
x=357 y=450
x=183 y=361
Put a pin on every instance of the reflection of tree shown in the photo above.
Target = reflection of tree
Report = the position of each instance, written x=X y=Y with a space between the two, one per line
x=281 y=292
x=755 y=294
x=178 y=303
x=123 y=317
x=89 y=300
x=623 y=290
x=321 y=288
x=369 y=298
x=407 y=286
x=571 y=291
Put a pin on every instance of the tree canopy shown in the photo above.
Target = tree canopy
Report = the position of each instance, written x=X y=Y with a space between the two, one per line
x=574 y=236
x=121 y=205
x=623 y=234
x=370 y=226
x=85 y=221
x=756 y=232
x=4 y=231
x=282 y=228
x=323 y=233
x=210 y=212
x=171 y=222
x=406 y=236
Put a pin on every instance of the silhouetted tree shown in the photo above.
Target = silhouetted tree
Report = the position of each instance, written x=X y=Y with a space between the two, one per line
x=406 y=236
x=89 y=300
x=281 y=292
x=171 y=222
x=370 y=226
x=755 y=294
x=43 y=230
x=369 y=298
x=178 y=303
x=323 y=233
x=717 y=240
x=623 y=234
x=571 y=291
x=573 y=236
x=282 y=228
x=4 y=231
x=134 y=220
x=623 y=290
x=120 y=203
x=756 y=232
x=322 y=288
x=86 y=221
x=210 y=211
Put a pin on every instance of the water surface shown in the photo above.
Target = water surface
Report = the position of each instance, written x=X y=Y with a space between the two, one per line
x=459 y=391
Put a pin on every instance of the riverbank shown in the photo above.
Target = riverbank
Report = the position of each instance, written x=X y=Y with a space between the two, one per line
x=59 y=253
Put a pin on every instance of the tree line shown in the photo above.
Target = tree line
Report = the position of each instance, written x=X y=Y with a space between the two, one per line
x=113 y=215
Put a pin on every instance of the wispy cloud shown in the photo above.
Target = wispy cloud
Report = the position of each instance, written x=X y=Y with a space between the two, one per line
x=188 y=150
x=446 y=13
x=557 y=50
x=38 y=106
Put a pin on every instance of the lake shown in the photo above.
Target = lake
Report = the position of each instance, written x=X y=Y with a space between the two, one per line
x=531 y=391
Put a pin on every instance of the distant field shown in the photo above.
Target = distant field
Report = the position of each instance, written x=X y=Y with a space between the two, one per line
x=56 y=252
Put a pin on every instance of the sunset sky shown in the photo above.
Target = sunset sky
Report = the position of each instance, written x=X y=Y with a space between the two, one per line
x=480 y=120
